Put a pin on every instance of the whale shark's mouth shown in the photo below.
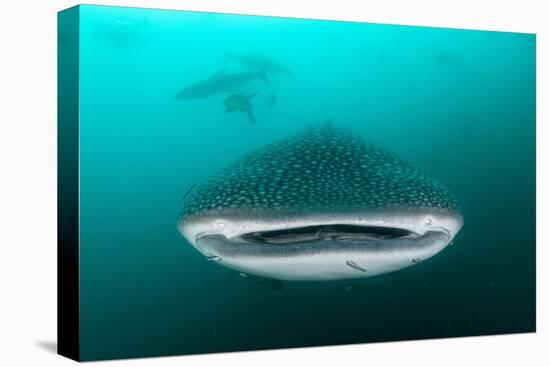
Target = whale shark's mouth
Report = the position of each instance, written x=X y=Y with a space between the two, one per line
x=318 y=250
x=334 y=232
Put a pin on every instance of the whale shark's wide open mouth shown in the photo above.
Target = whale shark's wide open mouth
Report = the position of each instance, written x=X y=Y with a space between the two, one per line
x=317 y=250
x=336 y=232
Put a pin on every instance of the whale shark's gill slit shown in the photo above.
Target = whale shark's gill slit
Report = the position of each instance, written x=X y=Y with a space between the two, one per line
x=334 y=232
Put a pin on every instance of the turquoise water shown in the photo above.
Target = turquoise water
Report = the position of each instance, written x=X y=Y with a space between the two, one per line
x=457 y=104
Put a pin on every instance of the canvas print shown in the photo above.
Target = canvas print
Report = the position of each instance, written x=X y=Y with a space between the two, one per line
x=236 y=182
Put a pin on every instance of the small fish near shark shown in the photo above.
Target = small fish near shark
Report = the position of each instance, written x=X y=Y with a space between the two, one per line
x=219 y=83
x=323 y=204
x=241 y=103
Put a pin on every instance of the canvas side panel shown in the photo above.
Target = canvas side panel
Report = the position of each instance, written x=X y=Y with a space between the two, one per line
x=68 y=183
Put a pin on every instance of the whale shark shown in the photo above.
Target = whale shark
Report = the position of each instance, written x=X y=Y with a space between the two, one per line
x=322 y=204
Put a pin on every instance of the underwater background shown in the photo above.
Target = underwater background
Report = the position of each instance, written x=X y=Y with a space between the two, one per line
x=457 y=104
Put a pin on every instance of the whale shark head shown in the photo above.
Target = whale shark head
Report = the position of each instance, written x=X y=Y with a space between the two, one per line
x=319 y=205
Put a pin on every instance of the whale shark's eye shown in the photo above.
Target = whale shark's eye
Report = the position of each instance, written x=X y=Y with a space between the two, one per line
x=334 y=232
